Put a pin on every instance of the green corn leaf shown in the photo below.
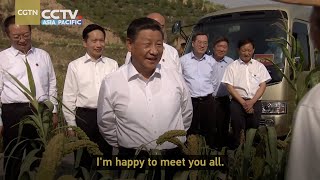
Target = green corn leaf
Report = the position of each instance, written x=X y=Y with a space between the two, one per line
x=31 y=80
x=66 y=177
x=127 y=174
x=20 y=85
x=272 y=139
x=294 y=51
x=49 y=105
x=141 y=176
x=181 y=175
x=163 y=174
x=289 y=59
x=28 y=161
x=78 y=158
x=26 y=92
x=106 y=174
x=247 y=151
x=13 y=150
x=301 y=55
x=85 y=173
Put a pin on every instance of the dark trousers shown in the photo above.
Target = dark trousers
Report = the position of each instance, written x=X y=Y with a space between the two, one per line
x=168 y=154
x=86 y=119
x=222 y=116
x=203 y=121
x=12 y=114
x=240 y=120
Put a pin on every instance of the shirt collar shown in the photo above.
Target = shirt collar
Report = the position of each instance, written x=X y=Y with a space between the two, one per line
x=194 y=57
x=241 y=62
x=88 y=58
x=222 y=60
x=16 y=52
x=132 y=71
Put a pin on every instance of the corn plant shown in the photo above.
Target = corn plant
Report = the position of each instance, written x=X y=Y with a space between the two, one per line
x=262 y=156
x=258 y=157
x=293 y=53
x=52 y=145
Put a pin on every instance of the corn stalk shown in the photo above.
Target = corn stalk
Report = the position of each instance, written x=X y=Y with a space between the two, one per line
x=55 y=147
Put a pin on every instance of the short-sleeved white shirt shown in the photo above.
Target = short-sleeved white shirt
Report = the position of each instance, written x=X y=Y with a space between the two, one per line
x=246 y=78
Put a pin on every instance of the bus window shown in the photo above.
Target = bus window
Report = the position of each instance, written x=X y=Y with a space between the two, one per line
x=300 y=32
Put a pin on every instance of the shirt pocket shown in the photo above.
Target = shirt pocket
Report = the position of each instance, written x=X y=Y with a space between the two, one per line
x=254 y=78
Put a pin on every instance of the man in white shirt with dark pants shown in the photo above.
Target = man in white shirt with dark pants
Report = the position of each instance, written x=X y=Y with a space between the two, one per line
x=15 y=105
x=143 y=100
x=246 y=80
x=170 y=57
x=81 y=88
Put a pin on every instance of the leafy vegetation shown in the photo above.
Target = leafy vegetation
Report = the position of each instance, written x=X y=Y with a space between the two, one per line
x=117 y=14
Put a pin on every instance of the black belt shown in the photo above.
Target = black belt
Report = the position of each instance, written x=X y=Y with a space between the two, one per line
x=203 y=98
x=221 y=97
x=19 y=105
x=87 y=109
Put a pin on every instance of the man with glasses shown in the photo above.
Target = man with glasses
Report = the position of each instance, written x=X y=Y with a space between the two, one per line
x=197 y=70
x=15 y=105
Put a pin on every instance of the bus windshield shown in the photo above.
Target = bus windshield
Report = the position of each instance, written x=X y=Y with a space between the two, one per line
x=260 y=26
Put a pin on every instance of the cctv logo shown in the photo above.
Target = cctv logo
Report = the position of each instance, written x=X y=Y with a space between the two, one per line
x=52 y=17
x=29 y=14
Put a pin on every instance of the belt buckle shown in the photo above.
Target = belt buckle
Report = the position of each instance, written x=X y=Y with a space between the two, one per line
x=201 y=98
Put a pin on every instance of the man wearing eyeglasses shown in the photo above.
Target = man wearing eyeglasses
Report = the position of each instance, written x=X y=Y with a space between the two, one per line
x=197 y=70
x=15 y=105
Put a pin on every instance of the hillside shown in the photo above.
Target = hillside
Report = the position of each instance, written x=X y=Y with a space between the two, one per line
x=64 y=43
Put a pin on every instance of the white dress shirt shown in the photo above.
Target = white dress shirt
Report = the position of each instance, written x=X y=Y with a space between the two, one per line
x=304 y=153
x=13 y=61
x=133 y=111
x=170 y=58
x=246 y=78
x=82 y=84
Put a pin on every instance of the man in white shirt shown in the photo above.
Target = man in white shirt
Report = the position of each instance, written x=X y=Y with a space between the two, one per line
x=82 y=85
x=170 y=57
x=143 y=100
x=15 y=105
x=246 y=80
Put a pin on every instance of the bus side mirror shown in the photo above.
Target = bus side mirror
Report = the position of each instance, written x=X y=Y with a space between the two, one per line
x=176 y=27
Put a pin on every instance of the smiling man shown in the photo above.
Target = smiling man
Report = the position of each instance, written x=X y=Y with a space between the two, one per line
x=141 y=101
x=170 y=56
x=246 y=80
x=82 y=85
x=15 y=105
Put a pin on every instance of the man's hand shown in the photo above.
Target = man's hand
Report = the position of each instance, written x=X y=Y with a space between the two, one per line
x=249 y=104
x=250 y=111
x=55 y=120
